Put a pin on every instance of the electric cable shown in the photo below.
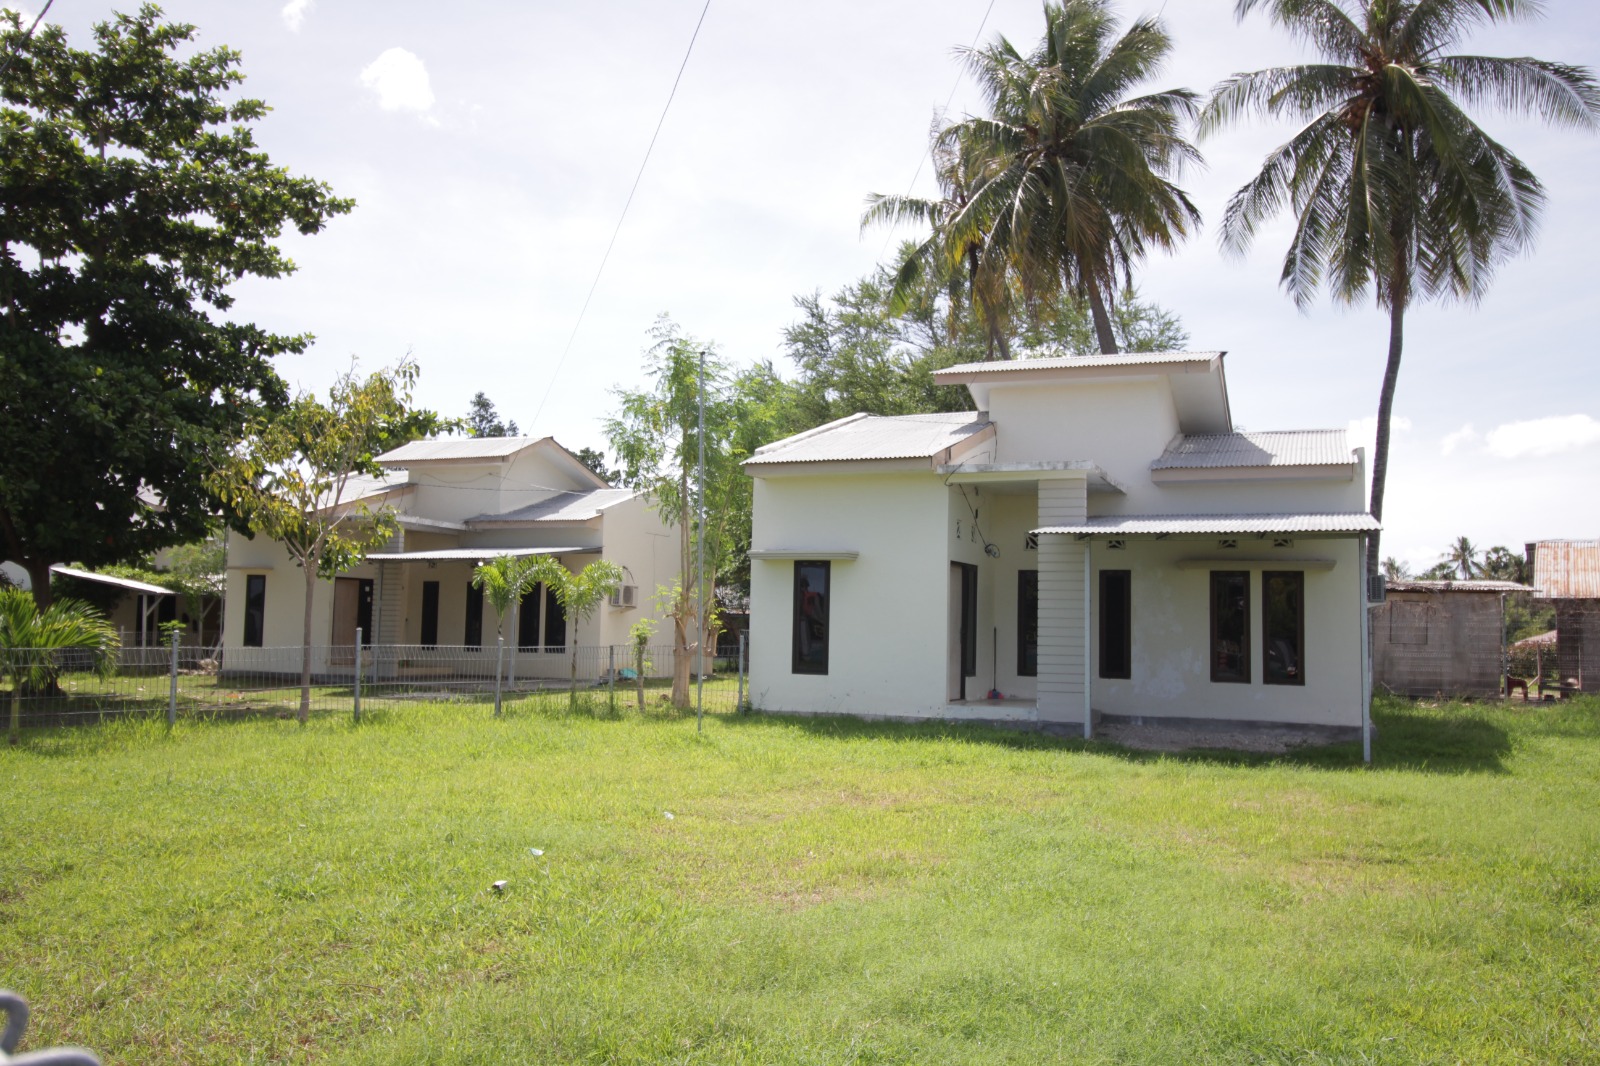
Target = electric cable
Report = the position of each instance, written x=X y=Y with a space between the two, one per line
x=584 y=310
x=27 y=36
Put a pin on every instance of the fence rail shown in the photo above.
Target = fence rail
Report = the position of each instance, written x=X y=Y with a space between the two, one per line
x=63 y=686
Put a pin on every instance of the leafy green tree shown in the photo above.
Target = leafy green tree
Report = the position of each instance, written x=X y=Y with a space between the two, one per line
x=132 y=196
x=505 y=579
x=484 y=421
x=596 y=461
x=1076 y=173
x=579 y=594
x=656 y=439
x=31 y=639
x=300 y=477
x=1397 y=192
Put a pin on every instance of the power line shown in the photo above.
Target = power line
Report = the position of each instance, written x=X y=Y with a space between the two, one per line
x=27 y=36
x=612 y=243
x=947 y=102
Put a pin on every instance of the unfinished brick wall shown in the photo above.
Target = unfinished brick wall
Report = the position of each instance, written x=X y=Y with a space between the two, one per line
x=1578 y=642
x=1427 y=643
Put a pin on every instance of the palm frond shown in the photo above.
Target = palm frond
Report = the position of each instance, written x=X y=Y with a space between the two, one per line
x=1322 y=23
x=1559 y=93
x=1426 y=26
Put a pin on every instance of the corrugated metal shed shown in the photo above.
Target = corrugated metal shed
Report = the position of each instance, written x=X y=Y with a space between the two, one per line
x=1567 y=569
x=874 y=437
x=1481 y=585
x=458 y=450
x=1307 y=447
x=566 y=507
x=1220 y=523
x=1017 y=366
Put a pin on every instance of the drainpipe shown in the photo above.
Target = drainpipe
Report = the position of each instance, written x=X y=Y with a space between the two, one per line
x=1366 y=653
x=1088 y=714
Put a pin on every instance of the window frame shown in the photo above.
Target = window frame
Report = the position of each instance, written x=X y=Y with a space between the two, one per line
x=428 y=631
x=1026 y=625
x=255 y=588
x=1124 y=633
x=1245 y=665
x=798 y=665
x=472 y=629
x=1267 y=577
x=554 y=614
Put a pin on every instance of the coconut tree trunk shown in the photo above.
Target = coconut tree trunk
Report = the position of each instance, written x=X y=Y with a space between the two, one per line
x=1102 y=319
x=305 y=650
x=14 y=731
x=1380 y=447
x=572 y=689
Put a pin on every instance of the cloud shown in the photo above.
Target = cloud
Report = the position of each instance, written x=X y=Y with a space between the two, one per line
x=1465 y=435
x=1364 y=431
x=400 y=80
x=1542 y=436
x=294 y=13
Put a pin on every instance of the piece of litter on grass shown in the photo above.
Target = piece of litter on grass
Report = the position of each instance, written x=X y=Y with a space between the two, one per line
x=668 y=814
x=535 y=852
x=499 y=886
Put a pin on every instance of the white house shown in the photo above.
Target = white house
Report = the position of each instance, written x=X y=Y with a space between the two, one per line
x=1095 y=540
x=458 y=503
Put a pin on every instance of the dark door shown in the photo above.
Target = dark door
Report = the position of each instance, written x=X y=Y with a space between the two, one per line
x=965 y=575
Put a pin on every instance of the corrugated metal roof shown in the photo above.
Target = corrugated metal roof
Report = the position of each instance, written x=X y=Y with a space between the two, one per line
x=1304 y=447
x=1547 y=639
x=127 y=583
x=1220 y=523
x=1018 y=366
x=1476 y=585
x=441 y=555
x=873 y=437
x=457 y=448
x=1567 y=569
x=567 y=507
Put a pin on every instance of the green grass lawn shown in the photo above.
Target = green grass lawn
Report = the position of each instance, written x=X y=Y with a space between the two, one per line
x=825 y=892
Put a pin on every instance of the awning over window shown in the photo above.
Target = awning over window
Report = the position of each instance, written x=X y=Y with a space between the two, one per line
x=1162 y=525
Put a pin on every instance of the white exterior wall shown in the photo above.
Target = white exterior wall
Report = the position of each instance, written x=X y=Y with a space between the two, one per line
x=888 y=608
x=1121 y=426
x=636 y=538
x=1172 y=624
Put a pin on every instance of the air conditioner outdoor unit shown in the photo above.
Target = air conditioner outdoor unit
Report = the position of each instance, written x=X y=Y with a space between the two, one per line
x=625 y=596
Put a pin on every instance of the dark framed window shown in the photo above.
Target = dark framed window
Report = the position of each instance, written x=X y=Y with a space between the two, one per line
x=528 y=619
x=1116 y=624
x=1230 y=626
x=812 y=588
x=365 y=594
x=1283 y=627
x=255 y=610
x=555 y=622
x=473 y=635
x=430 y=614
x=1027 y=623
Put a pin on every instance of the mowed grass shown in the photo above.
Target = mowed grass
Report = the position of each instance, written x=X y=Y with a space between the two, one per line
x=824 y=892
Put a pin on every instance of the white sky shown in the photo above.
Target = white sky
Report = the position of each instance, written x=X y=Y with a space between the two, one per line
x=491 y=145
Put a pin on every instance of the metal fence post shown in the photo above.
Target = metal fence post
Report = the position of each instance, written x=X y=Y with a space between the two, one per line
x=611 y=676
x=499 y=670
x=739 y=703
x=357 y=689
x=172 y=691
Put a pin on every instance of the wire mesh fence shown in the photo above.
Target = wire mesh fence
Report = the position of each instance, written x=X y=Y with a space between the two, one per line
x=67 y=686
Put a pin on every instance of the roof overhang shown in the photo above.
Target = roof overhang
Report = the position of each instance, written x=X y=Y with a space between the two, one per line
x=127 y=584
x=1030 y=474
x=759 y=465
x=1263 y=525
x=444 y=555
x=1221 y=475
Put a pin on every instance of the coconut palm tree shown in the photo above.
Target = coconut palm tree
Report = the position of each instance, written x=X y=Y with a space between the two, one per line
x=959 y=266
x=31 y=640
x=505 y=579
x=1397 y=191
x=1076 y=172
x=579 y=594
x=1463 y=558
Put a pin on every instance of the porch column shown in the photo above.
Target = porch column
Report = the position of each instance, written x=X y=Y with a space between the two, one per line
x=1062 y=682
x=387 y=618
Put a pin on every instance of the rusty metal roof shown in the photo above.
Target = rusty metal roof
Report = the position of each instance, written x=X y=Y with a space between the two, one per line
x=1476 y=585
x=1306 y=447
x=1567 y=569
